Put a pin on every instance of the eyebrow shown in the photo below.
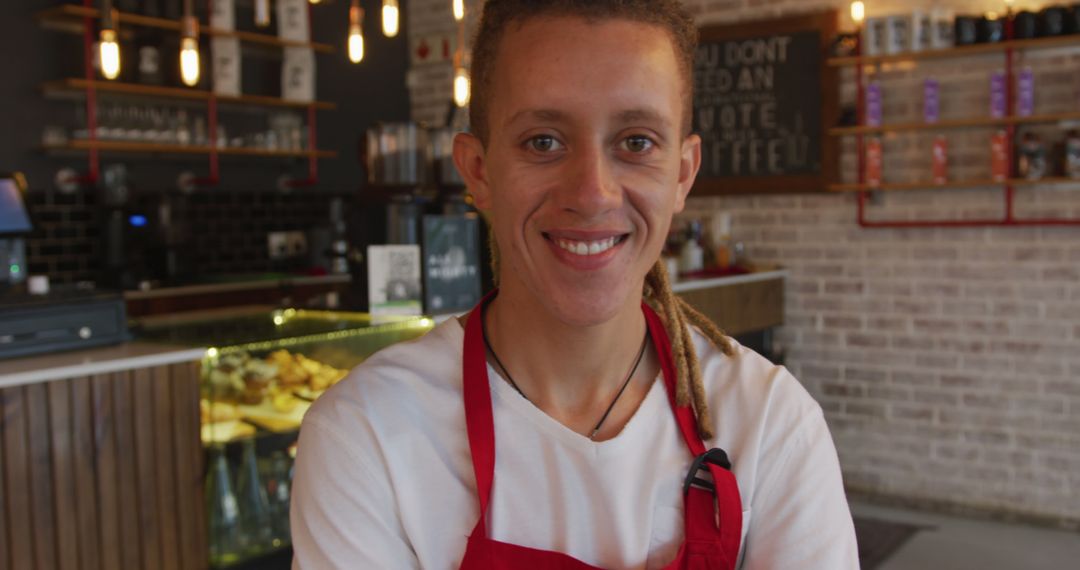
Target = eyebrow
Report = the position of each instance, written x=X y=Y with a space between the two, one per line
x=642 y=115
x=543 y=115
x=556 y=116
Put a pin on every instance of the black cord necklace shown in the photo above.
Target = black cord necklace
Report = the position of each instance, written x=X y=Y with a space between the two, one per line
x=637 y=362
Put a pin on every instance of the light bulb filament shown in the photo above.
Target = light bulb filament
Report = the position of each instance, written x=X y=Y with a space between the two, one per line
x=189 y=61
x=390 y=18
x=356 y=32
x=356 y=45
x=858 y=11
x=462 y=87
x=110 y=54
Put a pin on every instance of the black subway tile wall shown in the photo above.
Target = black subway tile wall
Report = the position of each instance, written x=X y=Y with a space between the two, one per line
x=64 y=243
x=227 y=230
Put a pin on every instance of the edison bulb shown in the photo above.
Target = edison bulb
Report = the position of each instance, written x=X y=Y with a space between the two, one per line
x=390 y=18
x=262 y=13
x=858 y=12
x=459 y=10
x=189 y=61
x=462 y=88
x=356 y=44
x=110 y=54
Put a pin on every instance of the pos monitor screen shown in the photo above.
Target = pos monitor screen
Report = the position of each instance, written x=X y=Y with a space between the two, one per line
x=14 y=219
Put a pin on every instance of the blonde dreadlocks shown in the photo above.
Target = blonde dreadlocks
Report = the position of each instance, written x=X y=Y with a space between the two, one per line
x=677 y=314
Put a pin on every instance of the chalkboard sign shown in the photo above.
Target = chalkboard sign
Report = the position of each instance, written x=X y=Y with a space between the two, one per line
x=764 y=99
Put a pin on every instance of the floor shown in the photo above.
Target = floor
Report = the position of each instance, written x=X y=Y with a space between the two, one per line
x=951 y=543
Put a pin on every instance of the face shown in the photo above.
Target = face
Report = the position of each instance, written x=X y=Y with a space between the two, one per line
x=585 y=162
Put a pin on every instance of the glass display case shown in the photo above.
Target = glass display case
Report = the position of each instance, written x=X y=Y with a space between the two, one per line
x=260 y=376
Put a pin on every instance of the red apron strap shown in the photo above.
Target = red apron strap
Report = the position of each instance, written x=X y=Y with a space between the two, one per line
x=701 y=518
x=479 y=419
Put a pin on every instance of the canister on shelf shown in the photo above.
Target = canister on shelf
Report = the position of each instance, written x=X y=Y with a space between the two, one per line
x=873 y=104
x=942 y=34
x=1025 y=93
x=997 y=94
x=990 y=29
x=1052 y=21
x=999 y=156
x=931 y=100
x=1032 y=160
x=873 y=41
x=873 y=162
x=1072 y=154
x=921 y=30
x=1025 y=25
x=965 y=30
x=898 y=34
x=941 y=159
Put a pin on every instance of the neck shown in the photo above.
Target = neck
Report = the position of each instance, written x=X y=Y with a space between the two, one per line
x=567 y=370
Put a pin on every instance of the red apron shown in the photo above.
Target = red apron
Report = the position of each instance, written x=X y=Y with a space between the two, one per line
x=707 y=546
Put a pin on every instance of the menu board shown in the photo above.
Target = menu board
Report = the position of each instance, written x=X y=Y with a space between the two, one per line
x=763 y=102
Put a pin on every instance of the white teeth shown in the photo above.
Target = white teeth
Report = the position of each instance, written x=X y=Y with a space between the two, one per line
x=587 y=248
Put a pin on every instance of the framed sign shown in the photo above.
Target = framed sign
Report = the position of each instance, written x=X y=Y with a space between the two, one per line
x=764 y=99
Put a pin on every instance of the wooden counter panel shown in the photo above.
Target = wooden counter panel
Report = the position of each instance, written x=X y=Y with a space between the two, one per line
x=85 y=482
x=17 y=480
x=165 y=467
x=742 y=307
x=83 y=460
x=146 y=487
x=62 y=433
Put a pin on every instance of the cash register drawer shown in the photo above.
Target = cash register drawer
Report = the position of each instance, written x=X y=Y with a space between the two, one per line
x=66 y=325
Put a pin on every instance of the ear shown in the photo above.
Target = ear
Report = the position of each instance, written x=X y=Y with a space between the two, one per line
x=689 y=164
x=469 y=159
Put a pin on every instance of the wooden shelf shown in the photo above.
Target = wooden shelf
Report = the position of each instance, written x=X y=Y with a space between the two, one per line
x=950 y=185
x=154 y=148
x=955 y=124
x=959 y=51
x=68 y=13
x=103 y=86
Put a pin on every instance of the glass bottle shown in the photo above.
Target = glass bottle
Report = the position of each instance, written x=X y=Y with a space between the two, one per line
x=255 y=519
x=278 y=489
x=222 y=511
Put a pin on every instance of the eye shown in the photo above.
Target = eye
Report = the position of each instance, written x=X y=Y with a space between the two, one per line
x=638 y=143
x=543 y=144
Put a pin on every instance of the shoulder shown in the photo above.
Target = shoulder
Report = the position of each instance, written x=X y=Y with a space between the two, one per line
x=751 y=380
x=396 y=386
x=759 y=408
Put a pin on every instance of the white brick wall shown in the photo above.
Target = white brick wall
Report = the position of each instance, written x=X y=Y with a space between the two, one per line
x=947 y=360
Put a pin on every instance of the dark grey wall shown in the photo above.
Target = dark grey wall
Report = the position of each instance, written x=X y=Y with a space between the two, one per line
x=366 y=93
x=232 y=226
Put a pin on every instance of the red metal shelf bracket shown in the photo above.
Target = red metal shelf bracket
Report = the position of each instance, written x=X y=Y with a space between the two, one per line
x=1009 y=191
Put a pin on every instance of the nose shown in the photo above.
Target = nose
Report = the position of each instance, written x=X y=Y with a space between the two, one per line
x=590 y=188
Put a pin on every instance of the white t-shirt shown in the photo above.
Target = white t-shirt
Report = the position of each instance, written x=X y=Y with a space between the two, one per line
x=384 y=477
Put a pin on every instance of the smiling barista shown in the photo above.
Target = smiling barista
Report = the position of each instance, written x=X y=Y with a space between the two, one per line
x=565 y=422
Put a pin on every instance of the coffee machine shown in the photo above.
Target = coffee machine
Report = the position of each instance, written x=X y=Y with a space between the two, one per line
x=144 y=234
x=14 y=225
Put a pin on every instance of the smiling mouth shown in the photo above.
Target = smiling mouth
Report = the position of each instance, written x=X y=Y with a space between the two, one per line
x=580 y=247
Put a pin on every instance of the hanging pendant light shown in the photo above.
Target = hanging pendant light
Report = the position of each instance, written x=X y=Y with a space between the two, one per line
x=391 y=18
x=189 y=47
x=462 y=82
x=108 y=48
x=262 y=13
x=356 y=32
x=462 y=87
x=858 y=12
